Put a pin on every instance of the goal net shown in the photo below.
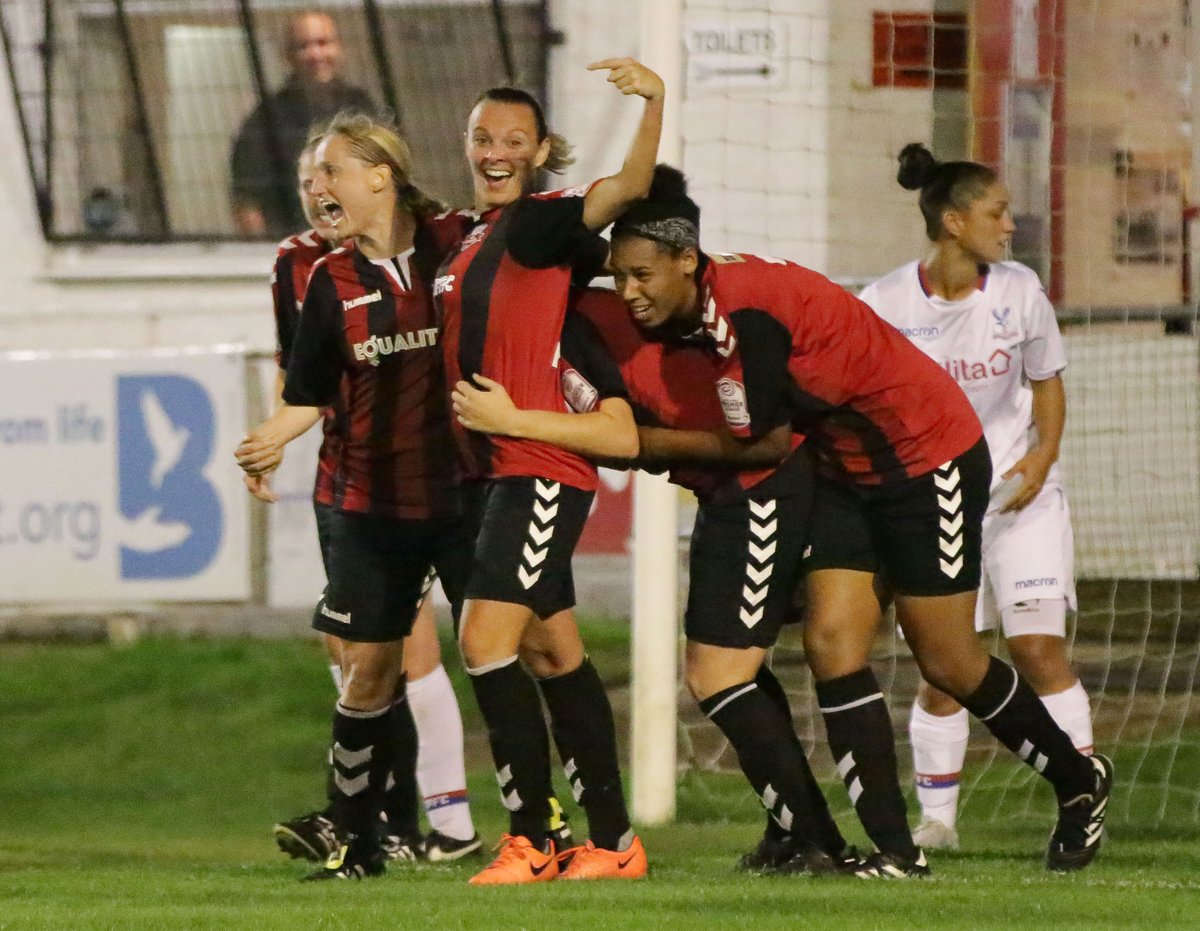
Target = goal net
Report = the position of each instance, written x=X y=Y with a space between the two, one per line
x=793 y=118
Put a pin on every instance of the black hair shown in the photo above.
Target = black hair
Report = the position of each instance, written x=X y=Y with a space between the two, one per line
x=666 y=214
x=560 y=150
x=943 y=185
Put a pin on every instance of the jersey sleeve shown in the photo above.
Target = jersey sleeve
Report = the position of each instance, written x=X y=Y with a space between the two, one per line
x=283 y=298
x=547 y=230
x=1043 y=352
x=315 y=370
x=588 y=372
x=753 y=383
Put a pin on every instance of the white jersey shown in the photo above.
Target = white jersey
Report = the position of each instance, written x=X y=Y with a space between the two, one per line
x=993 y=343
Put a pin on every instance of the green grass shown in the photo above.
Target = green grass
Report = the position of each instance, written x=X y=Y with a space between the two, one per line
x=138 y=786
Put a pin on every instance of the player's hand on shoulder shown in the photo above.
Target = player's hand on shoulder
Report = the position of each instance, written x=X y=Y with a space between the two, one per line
x=631 y=77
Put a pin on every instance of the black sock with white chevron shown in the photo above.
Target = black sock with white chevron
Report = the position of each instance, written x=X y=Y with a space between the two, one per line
x=864 y=748
x=581 y=720
x=774 y=763
x=364 y=745
x=770 y=686
x=1016 y=716
x=508 y=700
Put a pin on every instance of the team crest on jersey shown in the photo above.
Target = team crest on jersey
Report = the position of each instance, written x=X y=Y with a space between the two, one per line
x=476 y=235
x=578 y=392
x=732 y=395
x=1002 y=329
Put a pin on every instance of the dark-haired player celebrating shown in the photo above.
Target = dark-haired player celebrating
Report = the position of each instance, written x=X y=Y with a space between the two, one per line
x=963 y=304
x=434 y=750
x=903 y=474
x=368 y=338
x=504 y=298
x=745 y=557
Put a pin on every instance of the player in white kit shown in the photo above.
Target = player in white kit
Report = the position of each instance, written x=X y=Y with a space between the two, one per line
x=991 y=325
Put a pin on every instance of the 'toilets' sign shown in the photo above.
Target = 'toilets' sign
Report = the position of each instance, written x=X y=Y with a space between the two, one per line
x=739 y=50
x=119 y=482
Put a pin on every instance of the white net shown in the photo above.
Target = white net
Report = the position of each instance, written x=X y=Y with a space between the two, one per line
x=794 y=115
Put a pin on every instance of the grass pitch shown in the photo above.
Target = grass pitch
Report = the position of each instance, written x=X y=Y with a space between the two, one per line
x=138 y=786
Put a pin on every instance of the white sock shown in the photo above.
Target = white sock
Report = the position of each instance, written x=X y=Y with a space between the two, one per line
x=1071 y=712
x=939 y=748
x=441 y=769
x=336 y=671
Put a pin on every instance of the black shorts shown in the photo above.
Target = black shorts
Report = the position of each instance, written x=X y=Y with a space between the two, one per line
x=322 y=512
x=378 y=570
x=527 y=536
x=921 y=535
x=744 y=567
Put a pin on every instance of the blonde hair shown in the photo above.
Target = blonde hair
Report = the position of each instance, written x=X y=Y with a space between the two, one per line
x=378 y=142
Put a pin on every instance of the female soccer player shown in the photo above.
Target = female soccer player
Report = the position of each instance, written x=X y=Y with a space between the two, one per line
x=756 y=518
x=367 y=340
x=503 y=297
x=434 y=751
x=902 y=483
x=989 y=324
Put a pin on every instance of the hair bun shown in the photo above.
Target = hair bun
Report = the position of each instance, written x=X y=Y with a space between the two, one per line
x=917 y=166
x=668 y=184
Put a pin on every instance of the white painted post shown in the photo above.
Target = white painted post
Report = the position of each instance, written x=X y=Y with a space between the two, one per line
x=655 y=676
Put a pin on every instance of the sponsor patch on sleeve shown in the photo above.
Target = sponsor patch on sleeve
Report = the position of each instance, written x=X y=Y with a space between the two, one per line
x=732 y=395
x=579 y=393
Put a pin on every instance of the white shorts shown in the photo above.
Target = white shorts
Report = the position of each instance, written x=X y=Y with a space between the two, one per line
x=1027 y=555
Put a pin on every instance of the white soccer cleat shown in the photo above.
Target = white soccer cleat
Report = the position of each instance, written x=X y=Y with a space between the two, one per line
x=932 y=834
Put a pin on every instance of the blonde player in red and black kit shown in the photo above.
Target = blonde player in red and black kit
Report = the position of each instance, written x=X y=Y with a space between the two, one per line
x=756 y=518
x=503 y=297
x=434 y=750
x=367 y=341
x=902 y=485
x=990 y=324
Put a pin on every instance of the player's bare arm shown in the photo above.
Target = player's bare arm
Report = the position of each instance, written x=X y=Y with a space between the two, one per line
x=662 y=446
x=1050 y=417
x=607 y=432
x=608 y=199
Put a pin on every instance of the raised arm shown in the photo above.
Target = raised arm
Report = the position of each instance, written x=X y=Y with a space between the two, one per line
x=608 y=198
x=607 y=432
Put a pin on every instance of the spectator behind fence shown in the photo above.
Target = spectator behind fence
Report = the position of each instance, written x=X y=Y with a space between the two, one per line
x=270 y=140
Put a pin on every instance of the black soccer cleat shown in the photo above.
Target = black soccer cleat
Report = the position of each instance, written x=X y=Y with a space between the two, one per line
x=1077 y=835
x=309 y=837
x=811 y=861
x=890 y=866
x=440 y=848
x=770 y=854
x=356 y=859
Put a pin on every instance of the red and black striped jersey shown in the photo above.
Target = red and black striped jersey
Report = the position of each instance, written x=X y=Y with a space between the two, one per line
x=670 y=384
x=294 y=261
x=368 y=337
x=796 y=346
x=502 y=298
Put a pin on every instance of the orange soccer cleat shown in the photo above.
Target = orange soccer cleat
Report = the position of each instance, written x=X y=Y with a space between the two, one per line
x=518 y=862
x=592 y=862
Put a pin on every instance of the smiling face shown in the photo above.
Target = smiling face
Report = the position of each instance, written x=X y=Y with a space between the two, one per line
x=503 y=151
x=658 y=287
x=984 y=230
x=306 y=173
x=347 y=189
x=314 y=49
